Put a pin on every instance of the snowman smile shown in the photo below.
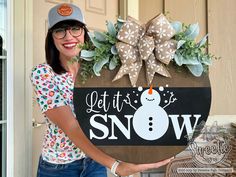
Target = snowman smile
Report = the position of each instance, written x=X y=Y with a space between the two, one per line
x=152 y=99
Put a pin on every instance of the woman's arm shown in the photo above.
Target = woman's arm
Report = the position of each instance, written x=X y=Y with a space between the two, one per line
x=64 y=118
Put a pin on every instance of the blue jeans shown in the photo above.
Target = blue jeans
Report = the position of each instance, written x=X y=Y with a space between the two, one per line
x=85 y=167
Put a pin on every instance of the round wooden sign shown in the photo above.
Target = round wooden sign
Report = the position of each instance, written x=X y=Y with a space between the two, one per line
x=143 y=124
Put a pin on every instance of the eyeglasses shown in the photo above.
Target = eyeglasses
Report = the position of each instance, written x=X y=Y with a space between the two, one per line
x=60 y=33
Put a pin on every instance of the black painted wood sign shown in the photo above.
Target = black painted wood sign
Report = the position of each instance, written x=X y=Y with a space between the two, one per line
x=142 y=124
x=140 y=116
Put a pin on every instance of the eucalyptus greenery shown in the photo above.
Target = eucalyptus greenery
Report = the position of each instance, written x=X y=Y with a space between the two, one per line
x=100 y=52
x=190 y=53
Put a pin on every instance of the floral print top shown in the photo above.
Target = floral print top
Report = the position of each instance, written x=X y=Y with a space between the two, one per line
x=54 y=90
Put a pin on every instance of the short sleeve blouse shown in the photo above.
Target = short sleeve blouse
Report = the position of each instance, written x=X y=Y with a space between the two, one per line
x=51 y=91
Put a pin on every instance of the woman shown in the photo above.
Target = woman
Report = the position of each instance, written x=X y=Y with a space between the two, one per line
x=65 y=144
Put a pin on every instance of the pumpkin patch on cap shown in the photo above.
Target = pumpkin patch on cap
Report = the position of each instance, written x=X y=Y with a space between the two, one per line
x=65 y=10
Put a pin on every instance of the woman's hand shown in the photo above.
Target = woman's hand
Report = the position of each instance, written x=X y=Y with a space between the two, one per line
x=125 y=169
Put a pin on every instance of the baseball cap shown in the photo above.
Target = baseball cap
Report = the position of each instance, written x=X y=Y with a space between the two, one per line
x=65 y=11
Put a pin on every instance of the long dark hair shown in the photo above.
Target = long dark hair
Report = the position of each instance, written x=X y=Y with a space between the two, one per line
x=52 y=54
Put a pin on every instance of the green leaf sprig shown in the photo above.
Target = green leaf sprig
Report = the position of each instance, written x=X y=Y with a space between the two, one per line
x=190 y=53
x=100 y=52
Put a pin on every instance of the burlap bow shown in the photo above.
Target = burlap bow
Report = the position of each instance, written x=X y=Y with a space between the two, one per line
x=150 y=42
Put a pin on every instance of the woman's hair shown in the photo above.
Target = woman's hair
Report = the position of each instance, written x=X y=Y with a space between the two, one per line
x=52 y=54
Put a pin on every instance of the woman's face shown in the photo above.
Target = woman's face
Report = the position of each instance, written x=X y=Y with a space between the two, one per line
x=66 y=40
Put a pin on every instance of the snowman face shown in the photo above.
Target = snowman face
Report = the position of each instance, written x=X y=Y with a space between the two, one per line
x=153 y=98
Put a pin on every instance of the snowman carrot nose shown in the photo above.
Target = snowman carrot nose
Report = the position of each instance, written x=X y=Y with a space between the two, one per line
x=150 y=90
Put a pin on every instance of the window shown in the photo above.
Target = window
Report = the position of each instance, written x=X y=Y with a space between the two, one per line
x=3 y=58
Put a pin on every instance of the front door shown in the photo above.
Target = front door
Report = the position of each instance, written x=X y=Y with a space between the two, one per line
x=96 y=13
